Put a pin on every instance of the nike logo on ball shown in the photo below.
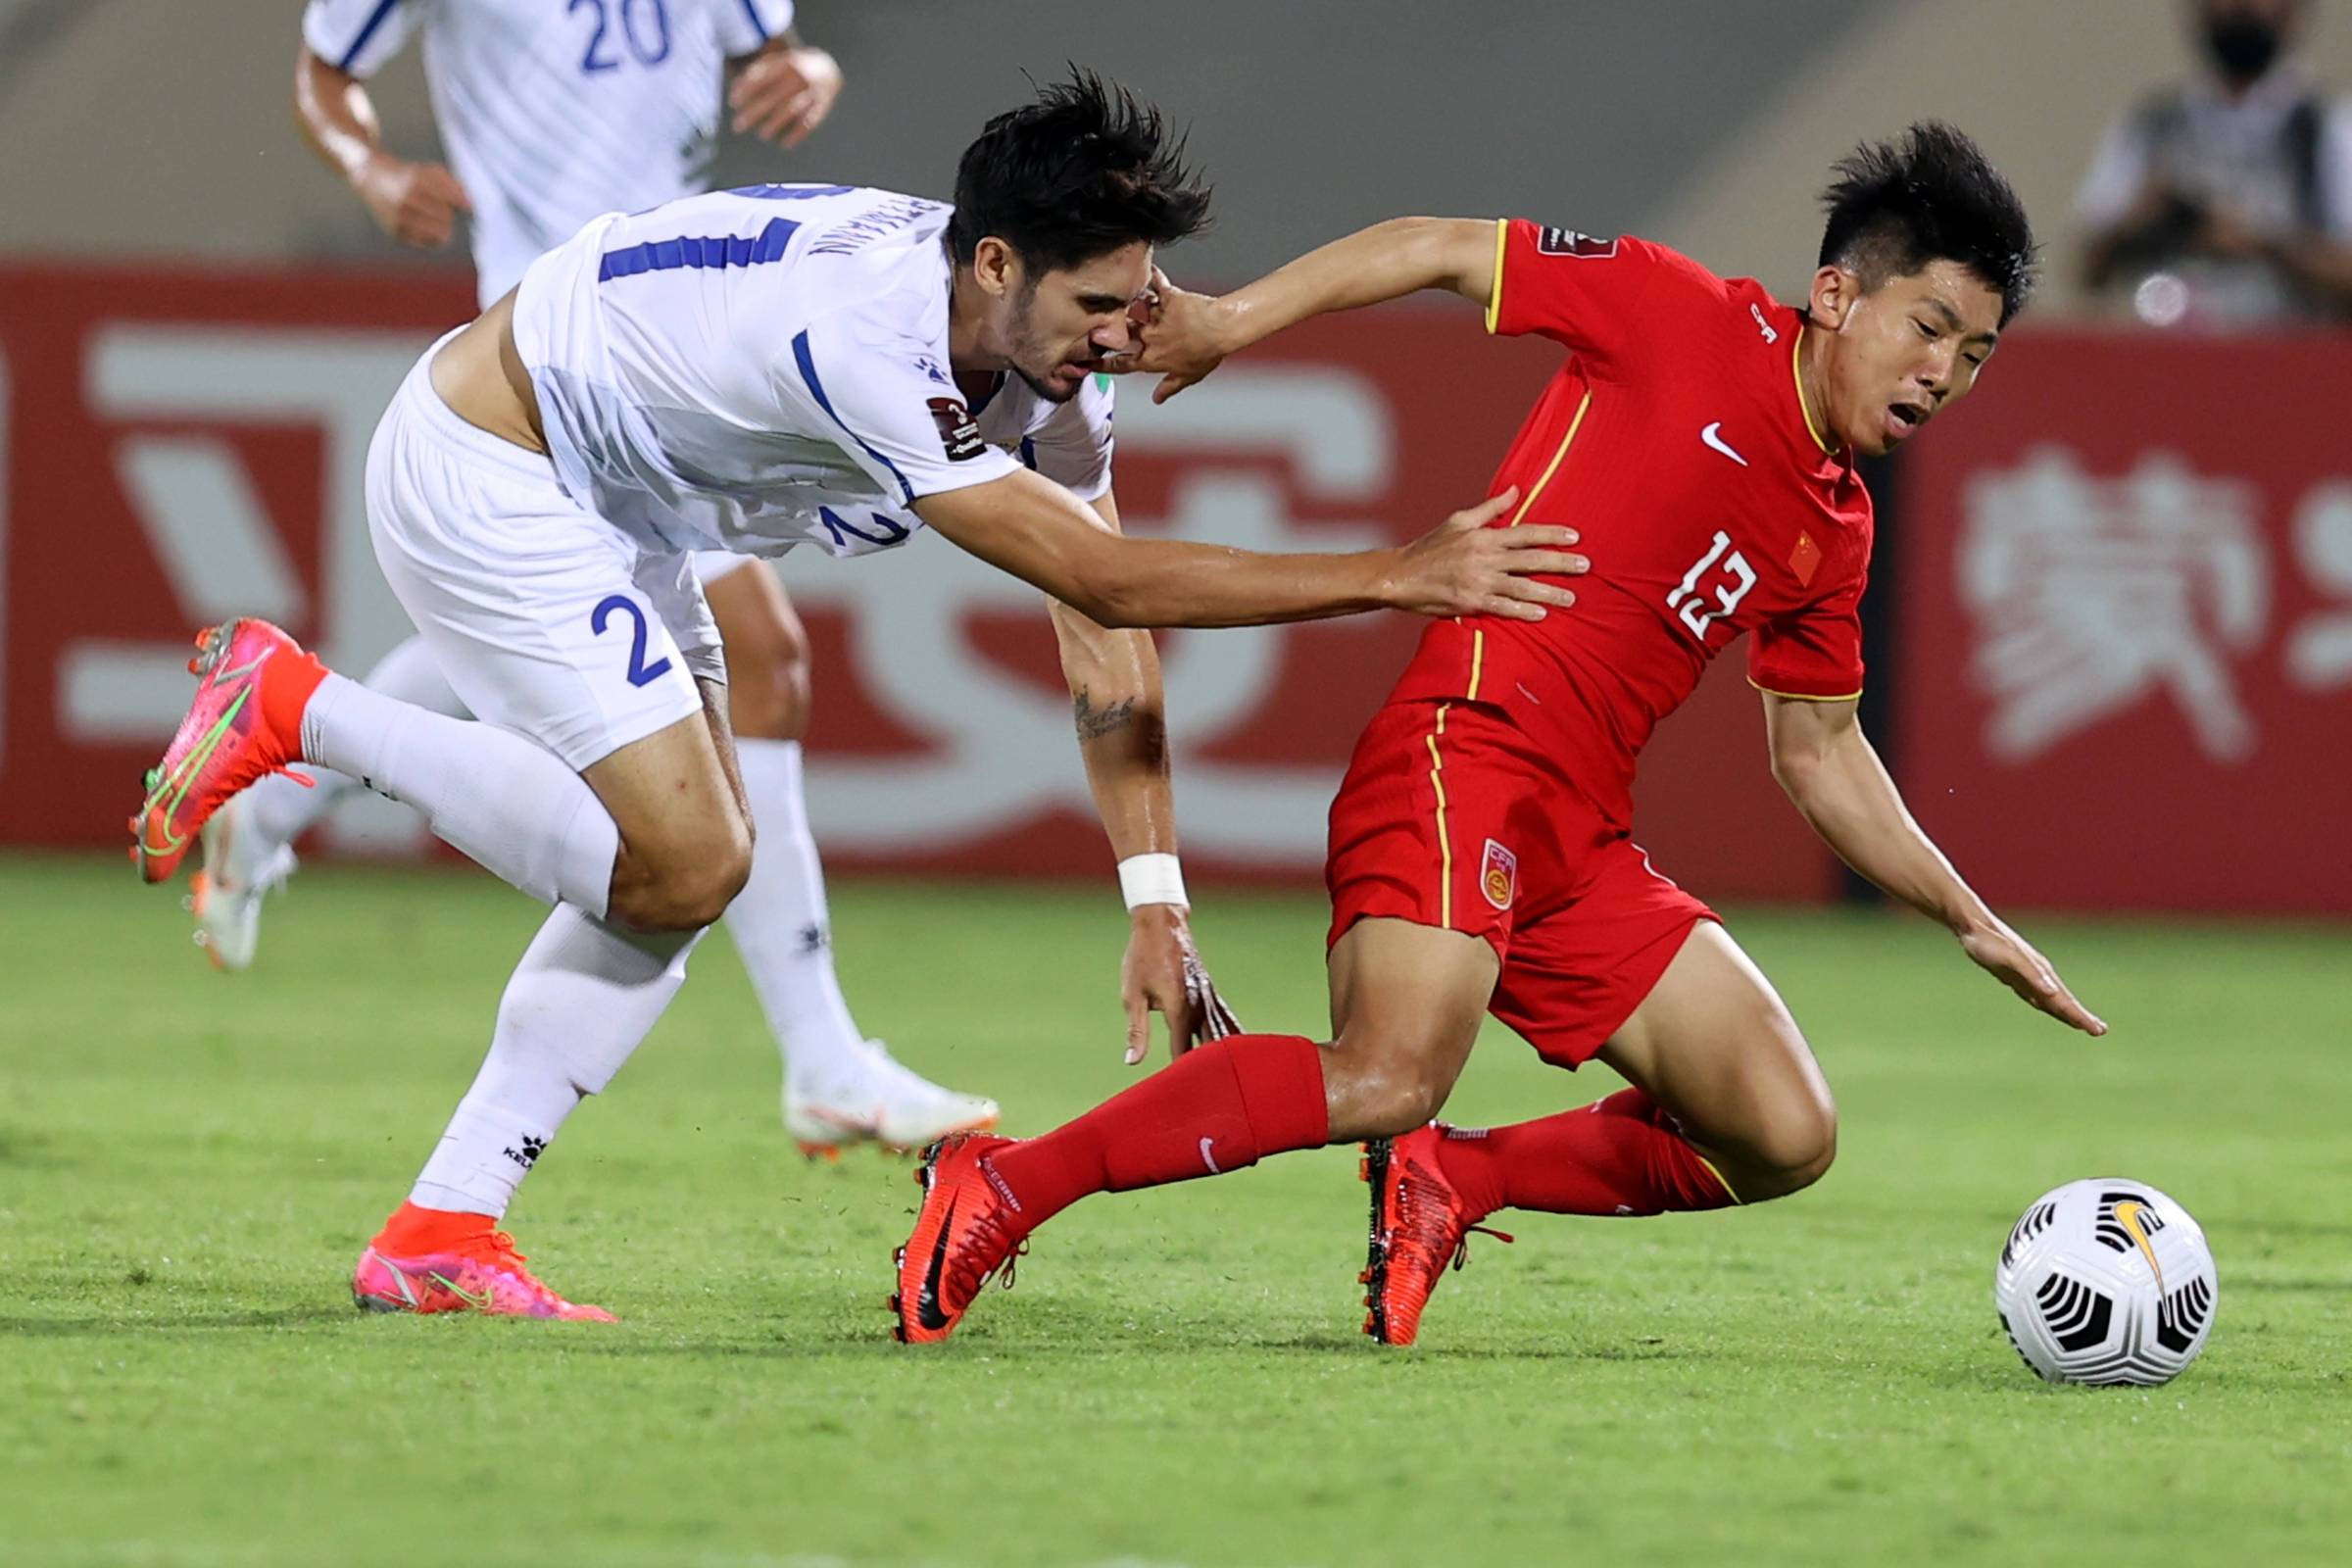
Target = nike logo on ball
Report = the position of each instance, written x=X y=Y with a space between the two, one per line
x=1710 y=436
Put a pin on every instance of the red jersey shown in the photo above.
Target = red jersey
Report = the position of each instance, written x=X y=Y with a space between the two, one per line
x=1677 y=442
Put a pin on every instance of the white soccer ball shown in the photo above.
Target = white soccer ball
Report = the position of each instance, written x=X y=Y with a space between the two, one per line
x=2106 y=1280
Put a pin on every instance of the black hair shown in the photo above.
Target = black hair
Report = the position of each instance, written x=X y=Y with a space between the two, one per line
x=1083 y=170
x=1929 y=195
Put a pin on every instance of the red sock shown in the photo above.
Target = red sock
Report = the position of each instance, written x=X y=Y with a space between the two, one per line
x=1218 y=1107
x=1620 y=1156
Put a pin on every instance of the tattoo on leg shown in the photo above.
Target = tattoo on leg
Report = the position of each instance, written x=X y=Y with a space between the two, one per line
x=1095 y=722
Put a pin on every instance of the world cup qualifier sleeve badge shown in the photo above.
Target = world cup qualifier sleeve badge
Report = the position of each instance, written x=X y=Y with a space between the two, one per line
x=1498 y=875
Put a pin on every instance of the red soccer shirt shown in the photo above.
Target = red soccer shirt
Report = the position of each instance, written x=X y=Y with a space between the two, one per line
x=1677 y=442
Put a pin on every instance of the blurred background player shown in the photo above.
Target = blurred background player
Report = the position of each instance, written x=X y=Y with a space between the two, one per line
x=1702 y=438
x=2225 y=202
x=551 y=115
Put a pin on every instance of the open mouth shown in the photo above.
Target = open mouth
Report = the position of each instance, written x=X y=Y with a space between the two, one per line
x=1904 y=418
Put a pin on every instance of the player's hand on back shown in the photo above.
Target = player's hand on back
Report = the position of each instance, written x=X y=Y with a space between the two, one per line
x=1465 y=567
x=1162 y=973
x=2011 y=959
x=1180 y=336
x=416 y=203
x=784 y=94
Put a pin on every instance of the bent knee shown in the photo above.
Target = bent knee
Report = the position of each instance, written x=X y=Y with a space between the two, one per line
x=1382 y=1088
x=767 y=682
x=689 y=888
x=1796 y=1150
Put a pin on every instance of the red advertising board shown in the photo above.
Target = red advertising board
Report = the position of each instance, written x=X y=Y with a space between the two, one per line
x=2126 y=625
x=175 y=447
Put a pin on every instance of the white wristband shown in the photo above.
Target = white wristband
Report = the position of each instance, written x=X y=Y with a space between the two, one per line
x=1152 y=879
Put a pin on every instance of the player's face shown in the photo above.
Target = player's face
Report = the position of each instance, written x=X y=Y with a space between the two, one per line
x=1903 y=350
x=1065 y=321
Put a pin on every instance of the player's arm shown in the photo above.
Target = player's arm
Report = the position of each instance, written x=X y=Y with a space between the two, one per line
x=415 y=203
x=1833 y=776
x=1121 y=717
x=1190 y=334
x=783 y=89
x=1038 y=532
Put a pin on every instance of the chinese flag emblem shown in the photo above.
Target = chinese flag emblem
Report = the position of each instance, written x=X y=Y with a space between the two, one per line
x=1804 y=558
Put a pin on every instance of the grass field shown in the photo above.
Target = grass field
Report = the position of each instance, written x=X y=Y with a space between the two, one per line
x=188 y=1163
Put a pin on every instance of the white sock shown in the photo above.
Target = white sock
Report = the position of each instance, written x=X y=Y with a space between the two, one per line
x=507 y=802
x=779 y=922
x=278 y=810
x=584 y=995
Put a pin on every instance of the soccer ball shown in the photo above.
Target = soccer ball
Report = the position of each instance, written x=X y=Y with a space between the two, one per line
x=2106 y=1280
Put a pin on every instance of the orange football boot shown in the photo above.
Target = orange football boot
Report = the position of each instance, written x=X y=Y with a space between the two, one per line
x=1420 y=1227
x=244 y=724
x=425 y=1260
x=962 y=1238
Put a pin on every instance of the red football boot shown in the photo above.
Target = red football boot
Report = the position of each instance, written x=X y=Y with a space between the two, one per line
x=962 y=1238
x=1420 y=1228
x=244 y=724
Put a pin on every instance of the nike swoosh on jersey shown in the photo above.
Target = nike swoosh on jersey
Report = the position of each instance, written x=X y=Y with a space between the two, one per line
x=926 y=1303
x=1712 y=438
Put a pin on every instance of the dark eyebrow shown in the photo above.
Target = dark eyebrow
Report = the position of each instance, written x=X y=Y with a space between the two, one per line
x=1952 y=322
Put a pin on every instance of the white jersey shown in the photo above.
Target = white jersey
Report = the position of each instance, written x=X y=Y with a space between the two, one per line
x=749 y=370
x=554 y=111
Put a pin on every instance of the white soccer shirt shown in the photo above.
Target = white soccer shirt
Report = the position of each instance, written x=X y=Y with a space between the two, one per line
x=750 y=370
x=554 y=111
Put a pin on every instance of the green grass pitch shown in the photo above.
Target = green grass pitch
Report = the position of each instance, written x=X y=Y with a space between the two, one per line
x=190 y=1163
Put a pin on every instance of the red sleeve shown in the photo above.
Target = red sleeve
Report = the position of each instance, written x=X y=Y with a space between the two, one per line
x=1814 y=654
x=1600 y=297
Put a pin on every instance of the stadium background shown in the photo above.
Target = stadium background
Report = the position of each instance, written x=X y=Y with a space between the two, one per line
x=199 y=328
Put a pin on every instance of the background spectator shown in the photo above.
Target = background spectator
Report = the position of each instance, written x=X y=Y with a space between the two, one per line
x=2225 y=201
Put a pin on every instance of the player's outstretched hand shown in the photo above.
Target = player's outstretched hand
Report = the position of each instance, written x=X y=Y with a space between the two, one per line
x=1464 y=568
x=416 y=203
x=1180 y=336
x=785 y=94
x=2011 y=959
x=1162 y=973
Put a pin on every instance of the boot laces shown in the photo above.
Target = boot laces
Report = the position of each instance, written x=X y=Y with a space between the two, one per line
x=1428 y=1227
x=985 y=1252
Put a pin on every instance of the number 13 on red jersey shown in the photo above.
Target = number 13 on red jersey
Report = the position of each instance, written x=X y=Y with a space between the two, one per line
x=1733 y=578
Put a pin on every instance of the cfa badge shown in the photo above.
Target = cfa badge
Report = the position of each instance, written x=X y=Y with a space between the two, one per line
x=1498 y=875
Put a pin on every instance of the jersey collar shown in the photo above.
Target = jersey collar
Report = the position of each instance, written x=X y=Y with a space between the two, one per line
x=1832 y=461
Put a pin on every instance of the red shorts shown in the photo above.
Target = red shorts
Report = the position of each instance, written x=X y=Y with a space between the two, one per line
x=1451 y=816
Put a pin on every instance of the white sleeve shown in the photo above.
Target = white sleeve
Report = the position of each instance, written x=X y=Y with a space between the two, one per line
x=1072 y=448
x=2117 y=175
x=357 y=36
x=872 y=396
x=2335 y=170
x=746 y=26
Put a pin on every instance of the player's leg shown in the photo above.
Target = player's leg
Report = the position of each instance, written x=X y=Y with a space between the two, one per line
x=584 y=996
x=838 y=1086
x=1716 y=1052
x=1727 y=1106
x=1408 y=988
x=249 y=843
x=1406 y=1002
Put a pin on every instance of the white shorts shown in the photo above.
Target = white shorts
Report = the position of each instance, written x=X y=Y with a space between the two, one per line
x=546 y=620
